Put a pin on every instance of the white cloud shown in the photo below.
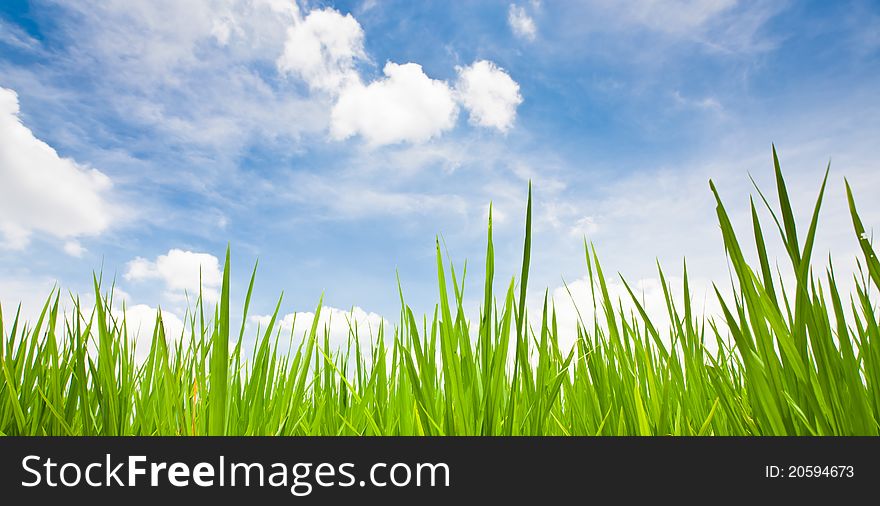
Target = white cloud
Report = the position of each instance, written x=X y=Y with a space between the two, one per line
x=356 y=199
x=30 y=291
x=14 y=36
x=673 y=16
x=222 y=30
x=707 y=104
x=196 y=83
x=140 y=321
x=180 y=271
x=368 y=5
x=576 y=302
x=74 y=249
x=585 y=226
x=489 y=94
x=191 y=74
x=667 y=215
x=405 y=106
x=521 y=23
x=159 y=40
x=322 y=50
x=13 y=236
x=41 y=191
x=724 y=26
x=339 y=322
x=120 y=296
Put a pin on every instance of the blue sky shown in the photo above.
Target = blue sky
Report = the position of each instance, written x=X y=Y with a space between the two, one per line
x=141 y=136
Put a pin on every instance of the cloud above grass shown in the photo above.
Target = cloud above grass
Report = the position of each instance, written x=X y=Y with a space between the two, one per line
x=183 y=273
x=574 y=304
x=339 y=323
x=489 y=94
x=140 y=321
x=42 y=191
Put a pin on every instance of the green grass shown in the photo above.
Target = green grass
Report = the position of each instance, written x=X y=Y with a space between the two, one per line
x=794 y=359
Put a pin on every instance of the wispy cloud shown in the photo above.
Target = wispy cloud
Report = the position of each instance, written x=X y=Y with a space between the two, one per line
x=14 y=36
x=521 y=23
x=405 y=106
x=183 y=274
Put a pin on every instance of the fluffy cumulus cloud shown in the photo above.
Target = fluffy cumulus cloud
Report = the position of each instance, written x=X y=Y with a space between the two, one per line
x=140 y=320
x=196 y=73
x=182 y=273
x=42 y=191
x=489 y=94
x=322 y=49
x=521 y=23
x=339 y=323
x=574 y=303
x=405 y=106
